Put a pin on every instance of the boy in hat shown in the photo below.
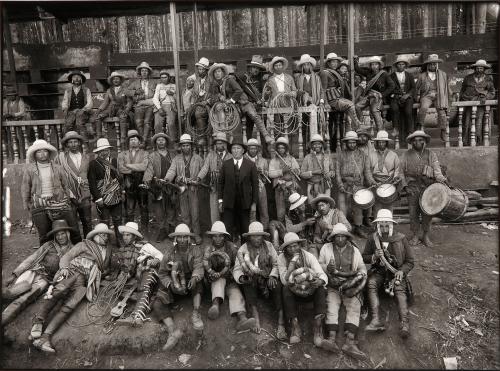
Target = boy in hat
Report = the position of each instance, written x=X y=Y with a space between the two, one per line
x=132 y=164
x=343 y=264
x=184 y=169
x=218 y=261
x=420 y=168
x=391 y=259
x=116 y=103
x=353 y=172
x=185 y=258
x=33 y=275
x=75 y=165
x=479 y=87
x=379 y=87
x=77 y=106
x=45 y=191
x=164 y=197
x=402 y=98
x=256 y=270
x=165 y=106
x=262 y=164
x=326 y=217
x=284 y=170
x=141 y=91
x=212 y=165
x=308 y=285
x=79 y=276
x=105 y=183
x=13 y=107
x=317 y=169
x=432 y=89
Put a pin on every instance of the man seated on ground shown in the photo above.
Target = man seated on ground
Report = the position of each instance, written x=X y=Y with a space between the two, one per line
x=327 y=217
x=256 y=270
x=181 y=272
x=218 y=261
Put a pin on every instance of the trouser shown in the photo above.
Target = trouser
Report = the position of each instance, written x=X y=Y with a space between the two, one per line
x=201 y=121
x=353 y=309
x=145 y=289
x=349 y=208
x=137 y=197
x=188 y=201
x=43 y=223
x=402 y=111
x=114 y=212
x=425 y=103
x=375 y=282
x=78 y=120
x=84 y=211
x=290 y=302
x=416 y=212
x=214 y=207
x=143 y=117
x=345 y=105
x=280 y=196
x=251 y=292
x=261 y=208
x=112 y=111
x=165 y=212
x=220 y=288
x=38 y=285
x=373 y=100
x=236 y=220
x=468 y=124
x=248 y=109
x=169 y=116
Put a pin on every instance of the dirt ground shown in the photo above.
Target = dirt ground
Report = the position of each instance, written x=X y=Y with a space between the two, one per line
x=455 y=314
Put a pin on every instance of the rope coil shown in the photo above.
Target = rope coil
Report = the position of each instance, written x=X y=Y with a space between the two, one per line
x=224 y=117
x=291 y=121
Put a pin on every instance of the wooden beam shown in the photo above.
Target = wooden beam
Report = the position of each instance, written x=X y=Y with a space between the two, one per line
x=481 y=17
x=148 y=36
x=398 y=20
x=271 y=34
x=426 y=19
x=322 y=35
x=450 y=19
x=10 y=51
x=122 y=35
x=350 y=43
x=195 y=32
x=356 y=24
x=253 y=25
x=174 y=28
x=220 y=29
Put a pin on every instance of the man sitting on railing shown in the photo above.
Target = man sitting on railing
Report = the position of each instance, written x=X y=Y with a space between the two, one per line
x=476 y=86
x=14 y=109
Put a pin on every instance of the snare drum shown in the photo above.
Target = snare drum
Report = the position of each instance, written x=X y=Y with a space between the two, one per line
x=364 y=198
x=386 y=193
x=448 y=203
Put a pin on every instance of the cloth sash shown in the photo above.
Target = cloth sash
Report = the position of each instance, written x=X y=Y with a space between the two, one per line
x=374 y=79
x=94 y=280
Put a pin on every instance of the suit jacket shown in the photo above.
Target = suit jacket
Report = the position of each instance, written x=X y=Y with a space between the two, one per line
x=248 y=184
x=409 y=87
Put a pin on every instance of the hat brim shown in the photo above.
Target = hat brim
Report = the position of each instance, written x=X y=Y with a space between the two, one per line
x=122 y=77
x=364 y=133
x=280 y=59
x=385 y=220
x=160 y=135
x=254 y=145
x=138 y=69
x=340 y=59
x=54 y=231
x=481 y=65
x=427 y=138
x=94 y=232
x=405 y=62
x=202 y=65
x=346 y=139
x=134 y=136
x=99 y=149
x=70 y=76
x=179 y=234
x=49 y=147
x=347 y=234
x=298 y=203
x=124 y=229
x=230 y=146
x=301 y=63
x=78 y=136
x=330 y=200
x=216 y=66
x=433 y=61
x=248 y=234
x=214 y=233
x=276 y=144
x=284 y=245
x=382 y=140
x=258 y=65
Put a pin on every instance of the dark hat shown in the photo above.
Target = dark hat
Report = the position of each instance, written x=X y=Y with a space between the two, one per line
x=237 y=140
x=133 y=133
x=160 y=135
x=76 y=72
x=59 y=225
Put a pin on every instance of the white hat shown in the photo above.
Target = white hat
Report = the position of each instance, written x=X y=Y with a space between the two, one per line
x=290 y=238
x=382 y=135
x=350 y=135
x=215 y=66
x=375 y=59
x=316 y=138
x=257 y=62
x=282 y=140
x=116 y=74
x=306 y=58
x=102 y=143
x=203 y=62
x=296 y=200
x=218 y=228
x=220 y=135
x=38 y=145
x=322 y=197
x=144 y=65
x=130 y=227
x=99 y=228
x=401 y=58
x=181 y=230
x=481 y=63
x=340 y=228
x=333 y=56
x=384 y=215
x=191 y=77
x=253 y=142
x=275 y=60
x=344 y=62
x=255 y=229
x=185 y=138
x=433 y=58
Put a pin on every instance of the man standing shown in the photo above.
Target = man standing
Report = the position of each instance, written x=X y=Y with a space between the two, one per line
x=238 y=190
x=45 y=191
x=188 y=97
x=402 y=98
x=479 y=87
x=212 y=165
x=280 y=82
x=200 y=93
x=132 y=164
x=308 y=83
x=75 y=165
x=165 y=106
x=419 y=169
x=379 y=87
x=164 y=200
x=184 y=169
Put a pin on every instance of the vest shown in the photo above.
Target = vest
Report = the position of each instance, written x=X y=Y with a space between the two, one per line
x=77 y=101
x=344 y=262
x=307 y=85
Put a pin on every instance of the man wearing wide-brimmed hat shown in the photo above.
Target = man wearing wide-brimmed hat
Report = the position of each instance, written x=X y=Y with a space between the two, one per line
x=303 y=279
x=352 y=172
x=262 y=164
x=432 y=90
x=181 y=272
x=218 y=261
x=419 y=169
x=13 y=105
x=402 y=98
x=212 y=167
x=33 y=275
x=116 y=103
x=188 y=98
x=327 y=215
x=165 y=106
x=252 y=82
x=105 y=183
x=256 y=270
x=346 y=271
x=317 y=168
x=379 y=87
x=308 y=82
x=365 y=141
x=132 y=164
x=391 y=259
x=75 y=165
x=199 y=108
x=476 y=86
x=80 y=273
x=164 y=197
x=279 y=82
x=284 y=170
x=77 y=105
x=184 y=170
x=45 y=191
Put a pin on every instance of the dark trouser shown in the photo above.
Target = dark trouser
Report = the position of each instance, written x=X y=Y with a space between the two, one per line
x=374 y=102
x=84 y=211
x=402 y=110
x=143 y=117
x=290 y=302
x=416 y=211
x=165 y=211
x=112 y=111
x=248 y=109
x=188 y=201
x=43 y=224
x=201 y=117
x=468 y=125
x=251 y=292
x=236 y=220
x=170 y=116
x=78 y=120
x=375 y=282
x=114 y=212
x=137 y=197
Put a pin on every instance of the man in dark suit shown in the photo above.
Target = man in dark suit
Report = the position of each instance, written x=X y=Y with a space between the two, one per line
x=402 y=99
x=238 y=190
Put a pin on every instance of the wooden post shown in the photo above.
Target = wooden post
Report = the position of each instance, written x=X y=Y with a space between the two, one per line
x=486 y=130
x=58 y=131
x=350 y=43
x=355 y=14
x=117 y=132
x=481 y=17
x=447 y=131
x=426 y=19
x=473 y=127
x=253 y=26
x=174 y=27
x=10 y=52
x=5 y=152
x=122 y=35
x=271 y=34
x=147 y=38
x=398 y=20
x=14 y=143
x=450 y=19
x=220 y=29
x=460 y=126
x=301 y=138
x=322 y=36
x=270 y=129
x=195 y=32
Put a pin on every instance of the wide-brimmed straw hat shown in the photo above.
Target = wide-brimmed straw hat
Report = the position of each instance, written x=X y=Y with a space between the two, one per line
x=164 y=72
x=481 y=63
x=38 y=145
x=218 y=228
x=255 y=229
x=185 y=138
x=143 y=65
x=433 y=58
x=290 y=238
x=216 y=66
x=116 y=74
x=341 y=229
x=375 y=59
x=418 y=133
x=382 y=135
x=384 y=215
x=71 y=135
x=296 y=200
x=99 y=228
x=133 y=133
x=350 y=135
x=160 y=135
x=401 y=58
x=258 y=62
x=253 y=142
x=203 y=62
x=324 y=198
x=278 y=59
x=181 y=230
x=76 y=72
x=333 y=56
x=220 y=135
x=306 y=58
x=102 y=143
x=130 y=227
x=282 y=140
x=59 y=225
x=316 y=138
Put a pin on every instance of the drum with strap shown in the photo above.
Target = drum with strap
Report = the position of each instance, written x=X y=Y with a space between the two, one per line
x=364 y=198
x=443 y=201
x=386 y=193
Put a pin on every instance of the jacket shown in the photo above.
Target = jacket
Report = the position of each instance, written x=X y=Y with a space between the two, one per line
x=316 y=90
x=87 y=96
x=384 y=85
x=81 y=250
x=96 y=174
x=424 y=84
x=390 y=165
x=327 y=253
x=80 y=191
x=472 y=90
x=326 y=222
x=248 y=185
x=210 y=163
x=192 y=262
x=138 y=164
x=32 y=261
x=153 y=168
x=16 y=108
x=262 y=165
x=412 y=165
x=310 y=261
x=134 y=91
x=311 y=162
x=177 y=168
x=271 y=263
x=353 y=169
x=227 y=89
x=409 y=86
x=120 y=99
x=164 y=94
x=398 y=247
x=330 y=80
x=289 y=87
x=277 y=169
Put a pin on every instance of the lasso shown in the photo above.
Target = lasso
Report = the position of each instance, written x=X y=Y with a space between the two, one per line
x=196 y=133
x=231 y=117
x=291 y=120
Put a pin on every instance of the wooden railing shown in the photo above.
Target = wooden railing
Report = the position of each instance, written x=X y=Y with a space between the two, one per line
x=486 y=120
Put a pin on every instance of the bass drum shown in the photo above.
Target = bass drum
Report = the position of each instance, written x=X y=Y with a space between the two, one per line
x=364 y=198
x=443 y=201
x=386 y=193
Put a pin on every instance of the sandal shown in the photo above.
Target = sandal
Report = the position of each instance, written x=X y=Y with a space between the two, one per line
x=44 y=345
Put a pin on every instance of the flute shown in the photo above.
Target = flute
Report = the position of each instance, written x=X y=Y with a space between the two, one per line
x=288 y=166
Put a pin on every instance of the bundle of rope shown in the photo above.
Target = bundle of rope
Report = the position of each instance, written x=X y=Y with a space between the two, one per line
x=218 y=261
x=291 y=120
x=348 y=283
x=190 y=129
x=300 y=281
x=224 y=117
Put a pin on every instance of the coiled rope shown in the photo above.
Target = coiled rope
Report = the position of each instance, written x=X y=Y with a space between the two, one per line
x=192 y=130
x=291 y=121
x=224 y=117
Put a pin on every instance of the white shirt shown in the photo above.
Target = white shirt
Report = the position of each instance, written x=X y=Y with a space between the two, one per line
x=238 y=162
x=144 y=85
x=280 y=82
x=117 y=89
x=401 y=77
x=308 y=77
x=76 y=89
x=252 y=158
x=76 y=158
x=221 y=154
x=432 y=75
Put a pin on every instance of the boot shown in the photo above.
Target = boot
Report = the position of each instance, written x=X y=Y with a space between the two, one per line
x=375 y=324
x=330 y=343
x=17 y=306
x=56 y=322
x=296 y=332
x=318 y=331
x=213 y=312
x=44 y=344
x=351 y=112
x=197 y=321
x=16 y=290
x=244 y=323
x=426 y=240
x=403 y=315
x=146 y=142
x=350 y=347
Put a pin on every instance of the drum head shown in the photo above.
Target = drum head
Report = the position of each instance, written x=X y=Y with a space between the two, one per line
x=363 y=197
x=386 y=190
x=434 y=199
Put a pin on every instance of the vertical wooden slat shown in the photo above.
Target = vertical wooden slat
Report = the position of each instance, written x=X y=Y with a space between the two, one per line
x=174 y=27
x=25 y=137
x=59 y=137
x=322 y=36
x=46 y=133
x=35 y=128
x=220 y=29
x=147 y=35
x=350 y=41
x=460 y=126
x=301 y=139
x=426 y=19
x=5 y=152
x=481 y=17
x=473 y=127
x=399 y=20
x=271 y=34
x=122 y=35
x=15 y=148
x=8 y=44
x=486 y=130
x=356 y=15
x=244 y=129
x=196 y=45
x=450 y=19
x=117 y=133
x=270 y=129
x=231 y=28
x=447 y=131
x=337 y=124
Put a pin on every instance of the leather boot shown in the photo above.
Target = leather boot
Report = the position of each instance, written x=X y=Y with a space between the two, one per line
x=15 y=290
x=351 y=112
x=403 y=315
x=330 y=344
x=213 y=312
x=17 y=306
x=174 y=334
x=318 y=330
x=375 y=324
x=426 y=240
x=350 y=347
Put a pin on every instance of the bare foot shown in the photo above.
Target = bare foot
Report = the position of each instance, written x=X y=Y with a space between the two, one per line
x=255 y=314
